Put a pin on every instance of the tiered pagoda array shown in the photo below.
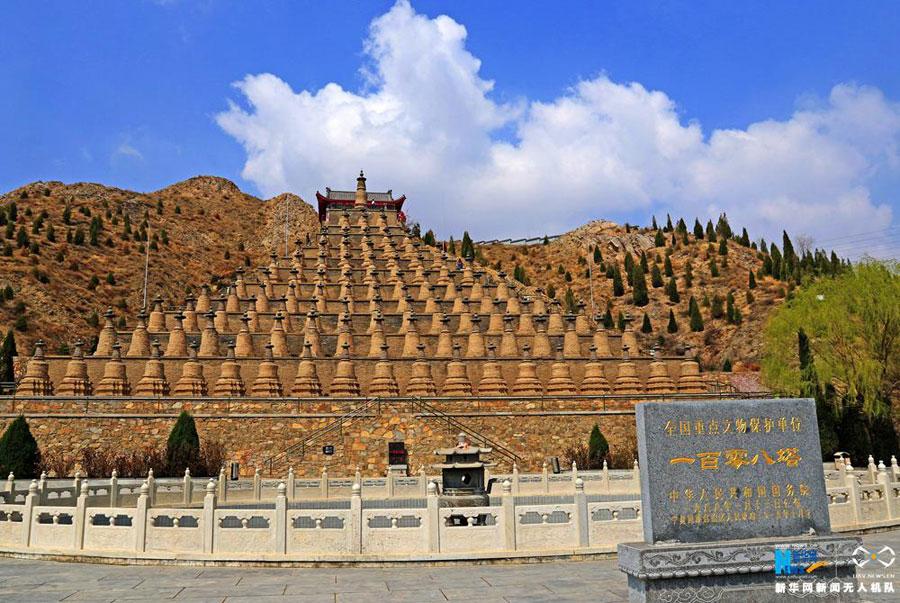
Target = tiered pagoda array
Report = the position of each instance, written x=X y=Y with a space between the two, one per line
x=363 y=309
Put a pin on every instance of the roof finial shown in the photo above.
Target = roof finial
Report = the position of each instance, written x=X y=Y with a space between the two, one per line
x=360 y=190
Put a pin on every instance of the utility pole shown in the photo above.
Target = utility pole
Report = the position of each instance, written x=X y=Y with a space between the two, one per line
x=146 y=265
x=591 y=280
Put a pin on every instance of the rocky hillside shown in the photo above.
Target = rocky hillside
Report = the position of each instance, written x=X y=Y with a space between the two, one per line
x=703 y=268
x=67 y=251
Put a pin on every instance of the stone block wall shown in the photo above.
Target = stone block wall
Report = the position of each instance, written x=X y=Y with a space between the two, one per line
x=254 y=430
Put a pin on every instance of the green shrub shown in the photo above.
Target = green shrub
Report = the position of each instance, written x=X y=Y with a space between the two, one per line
x=183 y=445
x=598 y=448
x=7 y=353
x=19 y=453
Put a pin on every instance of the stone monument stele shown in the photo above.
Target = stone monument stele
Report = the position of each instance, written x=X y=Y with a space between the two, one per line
x=731 y=491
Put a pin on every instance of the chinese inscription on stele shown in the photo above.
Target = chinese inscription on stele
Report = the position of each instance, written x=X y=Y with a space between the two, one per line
x=727 y=470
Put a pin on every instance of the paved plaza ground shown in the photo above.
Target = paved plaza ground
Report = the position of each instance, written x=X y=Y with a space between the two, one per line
x=597 y=581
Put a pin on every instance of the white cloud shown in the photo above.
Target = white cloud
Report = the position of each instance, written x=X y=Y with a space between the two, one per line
x=427 y=124
x=126 y=149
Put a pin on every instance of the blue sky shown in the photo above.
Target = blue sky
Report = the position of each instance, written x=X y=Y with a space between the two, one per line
x=136 y=94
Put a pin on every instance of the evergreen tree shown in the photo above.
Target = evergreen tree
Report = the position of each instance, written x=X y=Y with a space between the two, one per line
x=752 y=281
x=598 y=257
x=723 y=247
x=696 y=319
x=787 y=249
x=659 y=240
x=726 y=366
x=598 y=448
x=646 y=327
x=644 y=265
x=429 y=238
x=629 y=268
x=183 y=445
x=672 y=327
x=95 y=230
x=667 y=267
x=698 y=229
x=19 y=453
x=713 y=267
x=688 y=275
x=672 y=291
x=681 y=226
x=607 y=318
x=656 y=277
x=723 y=228
x=570 y=302
x=716 y=308
x=639 y=293
x=668 y=223
x=7 y=353
x=653 y=225
x=451 y=247
x=745 y=238
x=618 y=287
x=620 y=321
x=468 y=247
x=730 y=309
x=710 y=232
x=777 y=262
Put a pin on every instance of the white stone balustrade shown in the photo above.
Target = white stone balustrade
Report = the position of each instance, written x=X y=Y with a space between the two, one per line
x=331 y=519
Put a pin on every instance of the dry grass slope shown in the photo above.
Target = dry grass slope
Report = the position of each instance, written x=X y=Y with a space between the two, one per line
x=198 y=231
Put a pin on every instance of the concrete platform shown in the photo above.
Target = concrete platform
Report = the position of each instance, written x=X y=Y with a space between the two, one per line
x=598 y=581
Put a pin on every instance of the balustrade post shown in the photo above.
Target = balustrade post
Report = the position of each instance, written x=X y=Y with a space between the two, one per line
x=423 y=481
x=885 y=481
x=389 y=484
x=545 y=477
x=151 y=485
x=257 y=485
x=223 y=485
x=323 y=483
x=895 y=470
x=582 y=520
x=281 y=519
x=80 y=516
x=76 y=484
x=515 y=478
x=873 y=470
x=187 y=488
x=208 y=522
x=606 y=477
x=42 y=489
x=637 y=474
x=433 y=518
x=574 y=474
x=291 y=484
x=508 y=504
x=28 y=512
x=852 y=486
x=356 y=518
x=114 y=489
x=141 y=516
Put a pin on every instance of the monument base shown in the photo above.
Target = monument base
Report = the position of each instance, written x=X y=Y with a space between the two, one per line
x=741 y=571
